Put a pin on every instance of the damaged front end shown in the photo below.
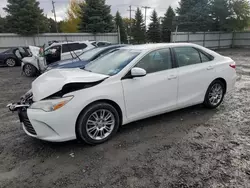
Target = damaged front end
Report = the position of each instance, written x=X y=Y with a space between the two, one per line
x=25 y=102
x=21 y=107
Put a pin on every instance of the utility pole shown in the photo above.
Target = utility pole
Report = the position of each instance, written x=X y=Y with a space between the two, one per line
x=146 y=7
x=130 y=23
x=54 y=11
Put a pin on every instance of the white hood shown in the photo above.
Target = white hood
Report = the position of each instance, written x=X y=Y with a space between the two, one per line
x=34 y=50
x=35 y=54
x=53 y=81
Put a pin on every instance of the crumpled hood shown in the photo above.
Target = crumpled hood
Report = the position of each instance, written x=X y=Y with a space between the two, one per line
x=53 y=81
x=34 y=50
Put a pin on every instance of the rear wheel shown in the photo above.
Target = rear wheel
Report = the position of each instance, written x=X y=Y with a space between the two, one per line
x=98 y=123
x=10 y=62
x=29 y=70
x=215 y=94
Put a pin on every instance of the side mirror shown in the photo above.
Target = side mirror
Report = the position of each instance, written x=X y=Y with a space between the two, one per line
x=138 y=72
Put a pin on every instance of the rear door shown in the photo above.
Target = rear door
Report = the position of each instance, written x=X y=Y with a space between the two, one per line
x=195 y=73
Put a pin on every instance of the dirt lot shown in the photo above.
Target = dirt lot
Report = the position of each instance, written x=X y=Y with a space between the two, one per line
x=193 y=147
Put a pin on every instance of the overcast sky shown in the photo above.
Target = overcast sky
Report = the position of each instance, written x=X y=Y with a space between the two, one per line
x=122 y=6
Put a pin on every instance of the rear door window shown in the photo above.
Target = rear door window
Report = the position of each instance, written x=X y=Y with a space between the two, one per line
x=70 y=47
x=187 y=56
x=82 y=46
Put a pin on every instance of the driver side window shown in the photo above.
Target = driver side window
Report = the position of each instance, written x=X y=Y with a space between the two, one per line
x=53 y=50
x=156 y=61
x=18 y=54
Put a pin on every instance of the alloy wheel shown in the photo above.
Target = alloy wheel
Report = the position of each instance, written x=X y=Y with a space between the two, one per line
x=215 y=94
x=100 y=124
x=28 y=70
x=10 y=62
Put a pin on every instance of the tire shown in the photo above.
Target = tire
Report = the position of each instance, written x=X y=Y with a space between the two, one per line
x=212 y=98
x=29 y=70
x=10 y=62
x=88 y=120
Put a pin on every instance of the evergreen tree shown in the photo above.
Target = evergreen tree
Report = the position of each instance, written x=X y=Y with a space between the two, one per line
x=119 y=23
x=52 y=25
x=194 y=15
x=95 y=17
x=138 y=28
x=25 y=17
x=230 y=15
x=167 y=24
x=241 y=15
x=2 y=25
x=221 y=11
x=154 y=31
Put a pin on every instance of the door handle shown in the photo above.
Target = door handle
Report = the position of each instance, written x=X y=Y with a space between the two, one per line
x=210 y=67
x=171 y=77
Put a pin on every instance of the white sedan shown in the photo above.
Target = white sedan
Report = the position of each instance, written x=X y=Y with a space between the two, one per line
x=128 y=84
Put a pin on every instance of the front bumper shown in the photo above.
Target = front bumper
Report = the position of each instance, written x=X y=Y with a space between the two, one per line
x=56 y=126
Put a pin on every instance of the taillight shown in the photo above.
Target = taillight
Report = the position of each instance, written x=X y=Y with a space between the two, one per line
x=233 y=65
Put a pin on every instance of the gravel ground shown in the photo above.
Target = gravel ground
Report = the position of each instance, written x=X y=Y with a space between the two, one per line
x=193 y=147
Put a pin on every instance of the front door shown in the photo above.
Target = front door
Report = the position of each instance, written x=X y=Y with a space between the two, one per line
x=154 y=93
x=53 y=54
x=195 y=73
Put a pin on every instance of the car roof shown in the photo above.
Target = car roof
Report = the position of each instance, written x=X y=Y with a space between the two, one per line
x=60 y=43
x=105 y=41
x=113 y=46
x=146 y=47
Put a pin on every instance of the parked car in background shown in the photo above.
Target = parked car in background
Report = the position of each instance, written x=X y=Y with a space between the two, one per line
x=83 y=59
x=101 y=43
x=129 y=84
x=13 y=56
x=32 y=66
x=57 y=41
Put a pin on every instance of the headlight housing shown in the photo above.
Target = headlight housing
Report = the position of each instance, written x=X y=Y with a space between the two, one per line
x=52 y=104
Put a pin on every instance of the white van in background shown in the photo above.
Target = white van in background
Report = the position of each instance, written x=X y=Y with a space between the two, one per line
x=31 y=66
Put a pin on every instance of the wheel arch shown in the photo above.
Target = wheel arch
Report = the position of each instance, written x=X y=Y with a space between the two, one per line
x=9 y=57
x=223 y=81
x=111 y=102
x=31 y=65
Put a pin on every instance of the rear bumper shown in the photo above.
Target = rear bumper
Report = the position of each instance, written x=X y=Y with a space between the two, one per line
x=231 y=83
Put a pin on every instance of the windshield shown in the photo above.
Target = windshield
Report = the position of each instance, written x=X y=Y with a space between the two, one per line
x=90 y=54
x=113 y=62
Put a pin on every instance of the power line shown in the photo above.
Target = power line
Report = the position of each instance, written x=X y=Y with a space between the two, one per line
x=54 y=11
x=130 y=24
x=146 y=7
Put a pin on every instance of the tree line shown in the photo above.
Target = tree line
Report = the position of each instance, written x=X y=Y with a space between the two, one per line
x=26 y=17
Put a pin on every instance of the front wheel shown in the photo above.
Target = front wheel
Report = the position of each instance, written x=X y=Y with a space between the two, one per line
x=98 y=123
x=29 y=70
x=215 y=94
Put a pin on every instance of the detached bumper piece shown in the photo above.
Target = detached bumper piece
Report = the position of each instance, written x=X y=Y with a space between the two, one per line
x=23 y=117
x=26 y=122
